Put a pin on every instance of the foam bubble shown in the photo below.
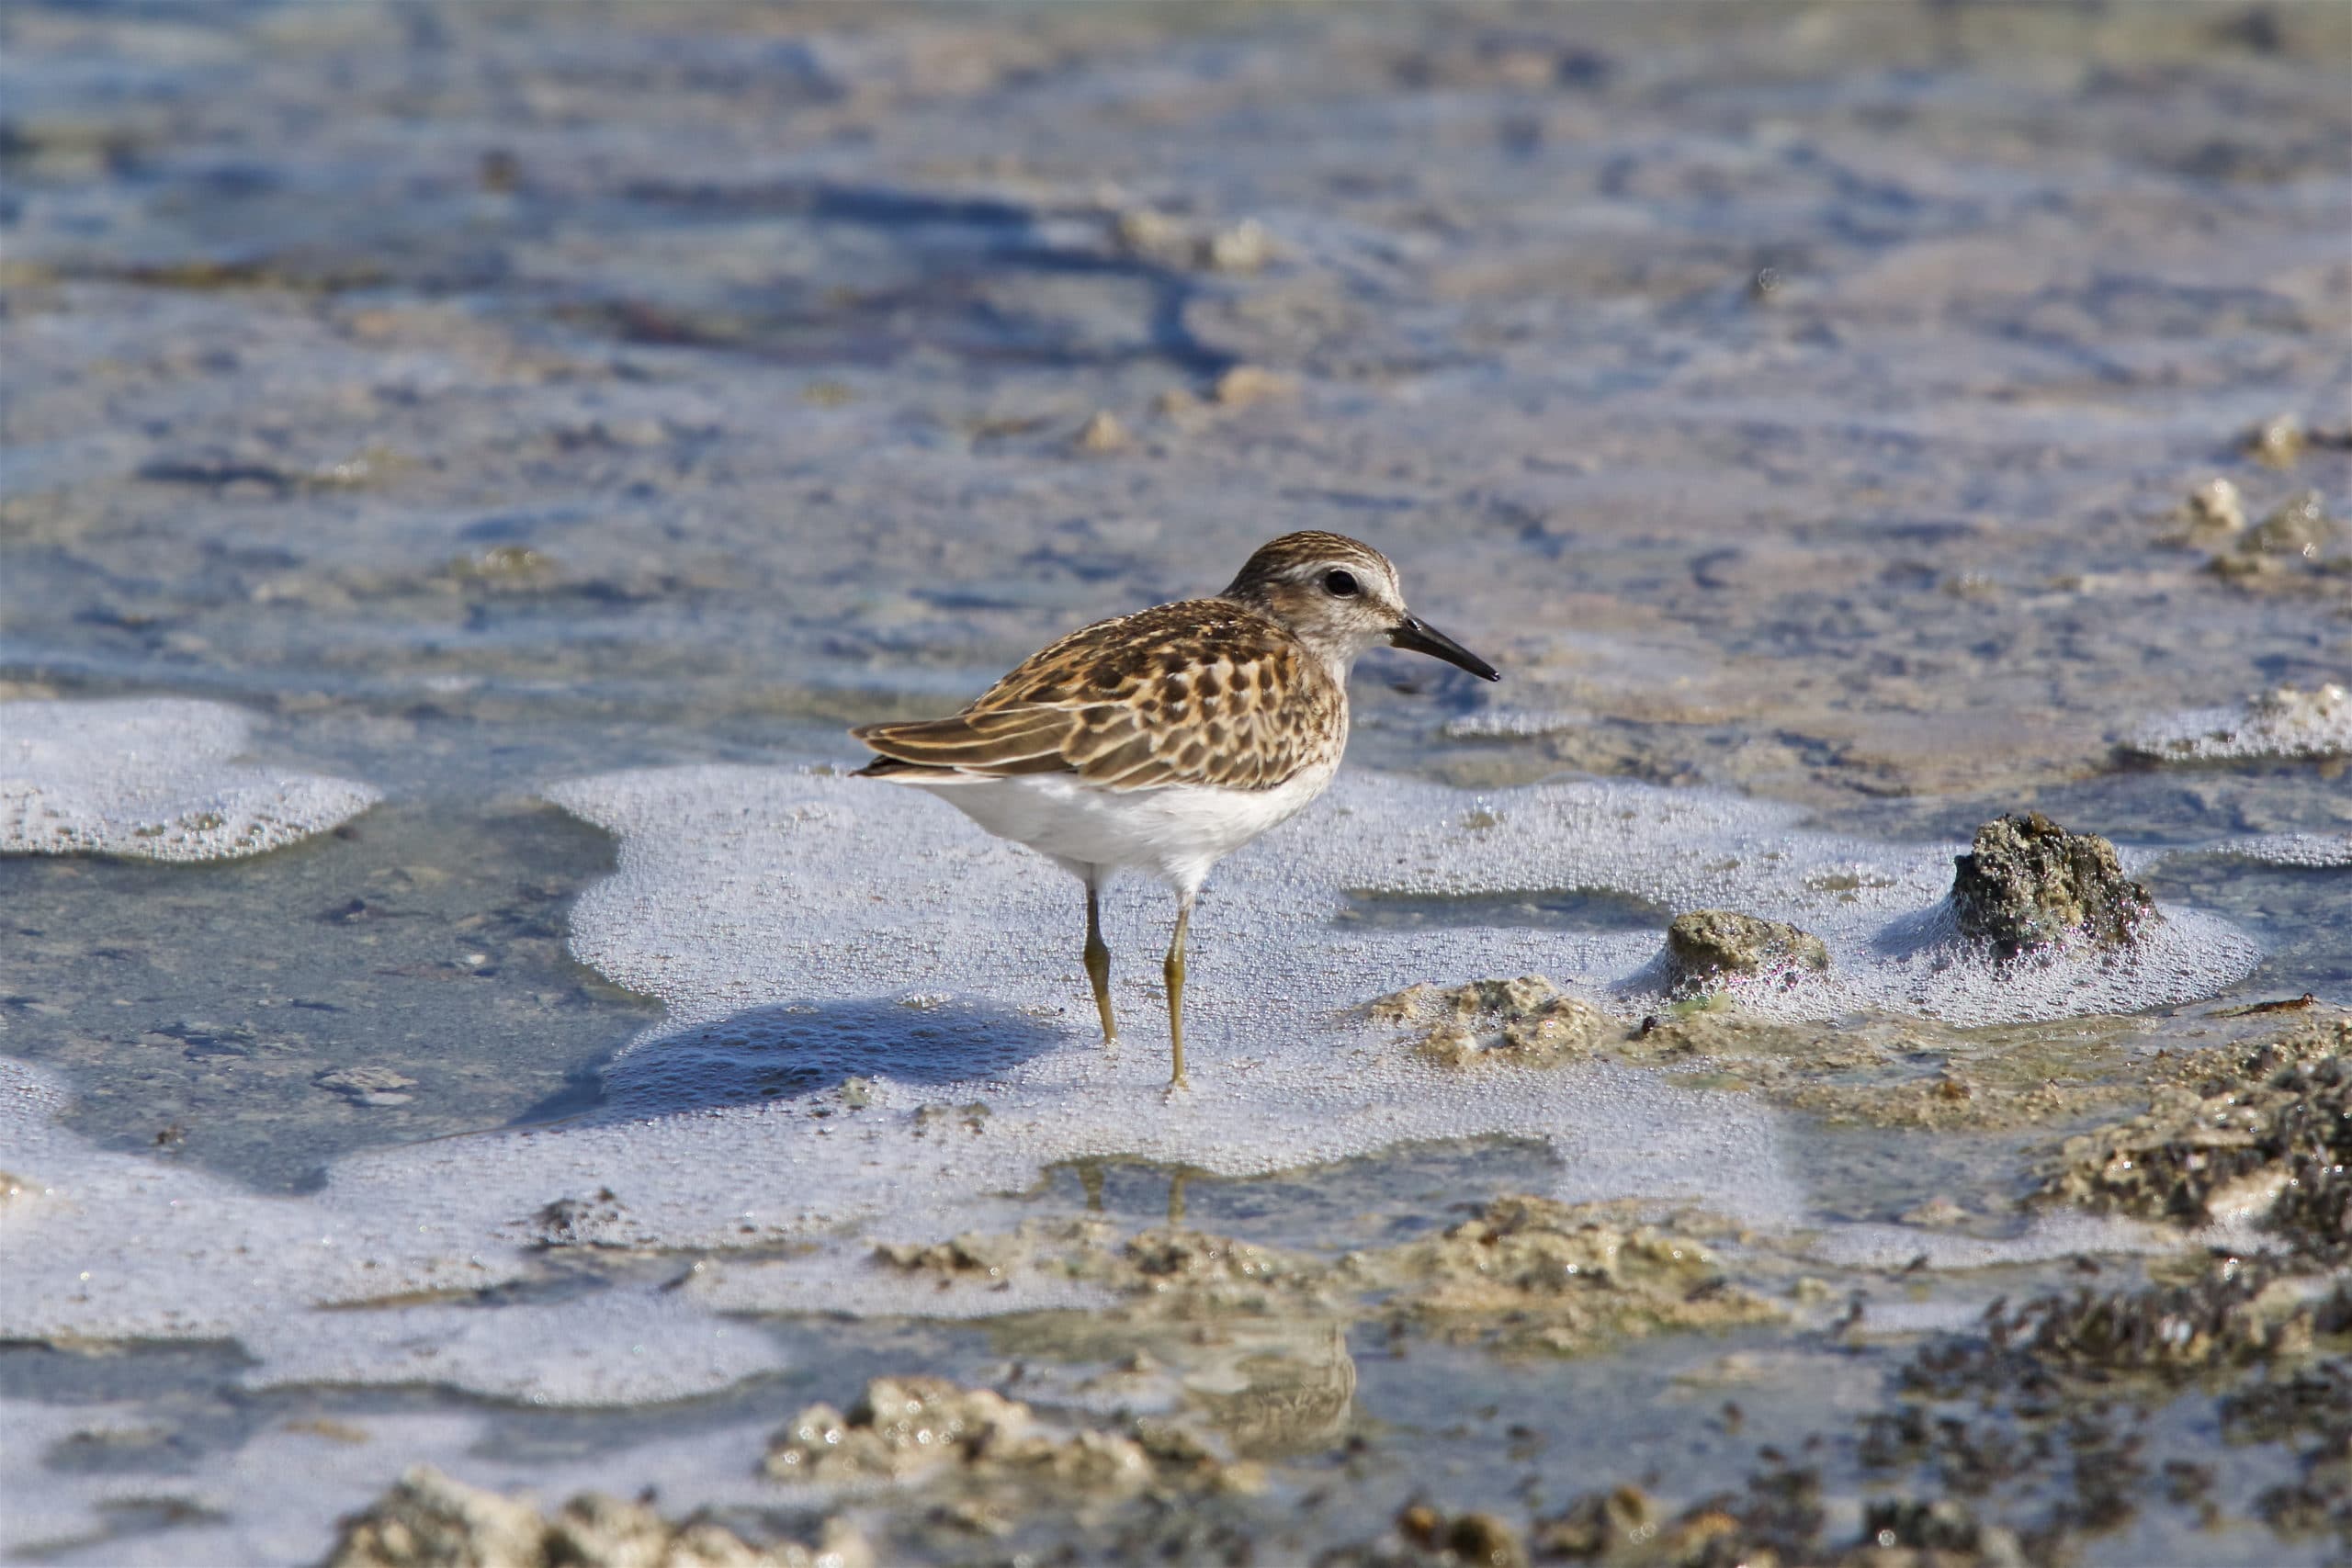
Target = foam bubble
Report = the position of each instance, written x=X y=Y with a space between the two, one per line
x=153 y=779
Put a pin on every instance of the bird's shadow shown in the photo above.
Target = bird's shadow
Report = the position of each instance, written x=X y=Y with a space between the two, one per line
x=793 y=1050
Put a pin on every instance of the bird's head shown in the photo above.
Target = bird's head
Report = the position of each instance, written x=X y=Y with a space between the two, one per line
x=1339 y=596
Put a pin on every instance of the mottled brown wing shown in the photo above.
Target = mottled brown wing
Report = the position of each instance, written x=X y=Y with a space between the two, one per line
x=1204 y=692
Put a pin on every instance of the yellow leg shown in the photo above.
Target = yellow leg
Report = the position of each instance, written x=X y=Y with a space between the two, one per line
x=1174 y=970
x=1098 y=966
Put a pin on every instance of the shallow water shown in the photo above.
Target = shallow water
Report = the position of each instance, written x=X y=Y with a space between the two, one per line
x=1793 y=402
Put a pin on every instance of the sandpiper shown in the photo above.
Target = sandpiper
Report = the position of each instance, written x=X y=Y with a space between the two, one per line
x=1164 y=740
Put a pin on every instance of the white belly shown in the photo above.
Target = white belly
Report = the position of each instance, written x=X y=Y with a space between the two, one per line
x=1175 y=831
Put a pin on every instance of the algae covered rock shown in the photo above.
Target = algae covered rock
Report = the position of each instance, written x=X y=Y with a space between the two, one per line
x=2311 y=1409
x=1102 y=435
x=2222 y=1319
x=427 y=1520
x=1474 y=1537
x=1777 y=1521
x=2277 y=441
x=901 y=1426
x=1532 y=1274
x=2232 y=1314
x=2214 y=511
x=2298 y=534
x=2028 y=883
x=1528 y=1020
x=969 y=1254
x=1249 y=1342
x=1171 y=1258
x=2301 y=527
x=1706 y=947
x=906 y=1428
x=2049 y=1402
x=2260 y=1129
x=1600 y=1524
x=1941 y=1533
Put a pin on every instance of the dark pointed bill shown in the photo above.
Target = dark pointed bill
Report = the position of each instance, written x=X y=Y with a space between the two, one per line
x=1421 y=638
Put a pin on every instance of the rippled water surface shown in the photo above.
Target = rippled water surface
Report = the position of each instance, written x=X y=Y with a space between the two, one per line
x=1799 y=404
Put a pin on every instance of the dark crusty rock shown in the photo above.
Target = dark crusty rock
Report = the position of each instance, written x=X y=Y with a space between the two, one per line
x=2026 y=883
x=2235 y=1313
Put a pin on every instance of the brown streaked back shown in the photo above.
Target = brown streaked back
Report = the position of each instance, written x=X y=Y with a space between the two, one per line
x=1201 y=692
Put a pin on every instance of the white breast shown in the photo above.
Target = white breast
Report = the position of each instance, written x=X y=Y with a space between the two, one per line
x=1174 y=831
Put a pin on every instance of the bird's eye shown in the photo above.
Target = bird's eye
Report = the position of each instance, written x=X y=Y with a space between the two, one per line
x=1340 y=584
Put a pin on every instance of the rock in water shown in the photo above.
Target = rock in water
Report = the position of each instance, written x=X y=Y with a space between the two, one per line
x=1707 y=946
x=2026 y=883
x=1529 y=1022
x=430 y=1521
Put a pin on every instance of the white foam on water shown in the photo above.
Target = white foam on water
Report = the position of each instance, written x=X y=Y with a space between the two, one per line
x=813 y=925
x=615 y=1347
x=915 y=1164
x=56 y=1510
x=325 y=1288
x=880 y=1032
x=741 y=889
x=152 y=778
x=272 y=1498
x=311 y=1473
x=1511 y=723
x=2314 y=852
x=2285 y=722
x=808 y=930
x=1881 y=908
x=103 y=1244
